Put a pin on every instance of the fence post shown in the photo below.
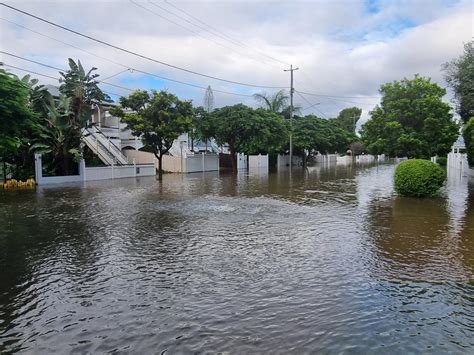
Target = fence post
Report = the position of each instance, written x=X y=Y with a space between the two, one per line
x=82 y=169
x=38 y=169
x=134 y=168
x=203 y=162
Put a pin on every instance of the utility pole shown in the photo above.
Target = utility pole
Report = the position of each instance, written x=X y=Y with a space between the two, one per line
x=292 y=90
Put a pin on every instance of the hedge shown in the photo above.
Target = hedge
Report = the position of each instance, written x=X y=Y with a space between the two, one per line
x=418 y=178
x=468 y=134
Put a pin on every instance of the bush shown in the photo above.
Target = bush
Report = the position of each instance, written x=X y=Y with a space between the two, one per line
x=418 y=178
x=468 y=134
x=442 y=161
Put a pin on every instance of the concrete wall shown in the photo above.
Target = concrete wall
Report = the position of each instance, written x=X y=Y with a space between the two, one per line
x=191 y=163
x=258 y=161
x=139 y=156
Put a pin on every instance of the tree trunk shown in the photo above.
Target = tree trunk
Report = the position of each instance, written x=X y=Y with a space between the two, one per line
x=4 y=169
x=160 y=168
x=233 y=161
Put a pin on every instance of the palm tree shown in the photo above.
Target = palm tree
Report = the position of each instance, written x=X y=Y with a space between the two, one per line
x=274 y=103
x=277 y=103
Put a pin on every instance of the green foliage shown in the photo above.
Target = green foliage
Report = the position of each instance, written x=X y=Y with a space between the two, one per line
x=17 y=123
x=468 y=134
x=442 y=161
x=203 y=125
x=276 y=103
x=459 y=74
x=249 y=131
x=15 y=113
x=83 y=90
x=158 y=119
x=411 y=121
x=418 y=178
x=347 y=118
x=312 y=133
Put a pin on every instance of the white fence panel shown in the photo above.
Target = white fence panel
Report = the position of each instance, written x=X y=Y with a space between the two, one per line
x=258 y=161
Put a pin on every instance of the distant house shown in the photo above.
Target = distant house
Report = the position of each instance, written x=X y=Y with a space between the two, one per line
x=114 y=144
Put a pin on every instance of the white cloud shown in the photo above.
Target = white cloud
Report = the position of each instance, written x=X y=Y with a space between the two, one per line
x=340 y=47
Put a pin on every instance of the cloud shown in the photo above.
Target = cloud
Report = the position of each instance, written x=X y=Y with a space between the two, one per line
x=343 y=48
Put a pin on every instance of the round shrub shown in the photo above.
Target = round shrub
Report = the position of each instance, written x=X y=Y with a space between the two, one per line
x=418 y=178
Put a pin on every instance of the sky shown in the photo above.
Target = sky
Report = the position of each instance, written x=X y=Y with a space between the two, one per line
x=344 y=50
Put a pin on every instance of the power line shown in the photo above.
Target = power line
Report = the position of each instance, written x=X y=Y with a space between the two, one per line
x=221 y=34
x=64 y=70
x=46 y=76
x=190 y=30
x=312 y=105
x=214 y=33
x=115 y=85
x=122 y=65
x=331 y=98
x=137 y=54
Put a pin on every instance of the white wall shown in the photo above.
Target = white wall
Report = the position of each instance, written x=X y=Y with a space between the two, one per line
x=258 y=161
x=139 y=156
x=96 y=173
x=191 y=163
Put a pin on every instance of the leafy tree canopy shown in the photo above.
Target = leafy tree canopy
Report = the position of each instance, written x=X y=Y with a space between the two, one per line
x=348 y=117
x=459 y=74
x=412 y=121
x=82 y=87
x=313 y=133
x=158 y=118
x=16 y=115
x=249 y=131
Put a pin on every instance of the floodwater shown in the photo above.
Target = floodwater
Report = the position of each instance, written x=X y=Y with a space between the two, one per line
x=326 y=261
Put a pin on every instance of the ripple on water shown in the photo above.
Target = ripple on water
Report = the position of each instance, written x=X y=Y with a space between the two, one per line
x=330 y=261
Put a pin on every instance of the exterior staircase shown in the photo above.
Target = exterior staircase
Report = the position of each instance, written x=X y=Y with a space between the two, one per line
x=101 y=145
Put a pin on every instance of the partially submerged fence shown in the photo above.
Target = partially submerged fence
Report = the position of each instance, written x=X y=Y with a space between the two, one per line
x=93 y=173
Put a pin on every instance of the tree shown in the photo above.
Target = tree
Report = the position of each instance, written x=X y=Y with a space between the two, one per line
x=203 y=125
x=348 y=117
x=82 y=89
x=56 y=135
x=275 y=103
x=158 y=119
x=16 y=116
x=469 y=140
x=248 y=131
x=84 y=92
x=315 y=134
x=459 y=74
x=412 y=120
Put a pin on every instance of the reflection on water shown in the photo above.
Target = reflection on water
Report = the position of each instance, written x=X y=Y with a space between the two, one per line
x=326 y=260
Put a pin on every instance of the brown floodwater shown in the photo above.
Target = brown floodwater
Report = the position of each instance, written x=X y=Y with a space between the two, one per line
x=328 y=260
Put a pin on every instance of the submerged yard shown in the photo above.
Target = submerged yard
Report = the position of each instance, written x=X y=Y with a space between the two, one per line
x=329 y=260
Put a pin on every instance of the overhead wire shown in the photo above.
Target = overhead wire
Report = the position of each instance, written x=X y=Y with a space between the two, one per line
x=138 y=54
x=221 y=34
x=107 y=83
x=313 y=105
x=45 y=75
x=190 y=30
x=125 y=66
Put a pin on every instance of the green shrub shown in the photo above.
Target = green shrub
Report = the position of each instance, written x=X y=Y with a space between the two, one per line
x=418 y=178
x=468 y=134
x=442 y=161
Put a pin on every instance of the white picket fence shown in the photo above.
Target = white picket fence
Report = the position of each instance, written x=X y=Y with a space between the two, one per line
x=457 y=164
